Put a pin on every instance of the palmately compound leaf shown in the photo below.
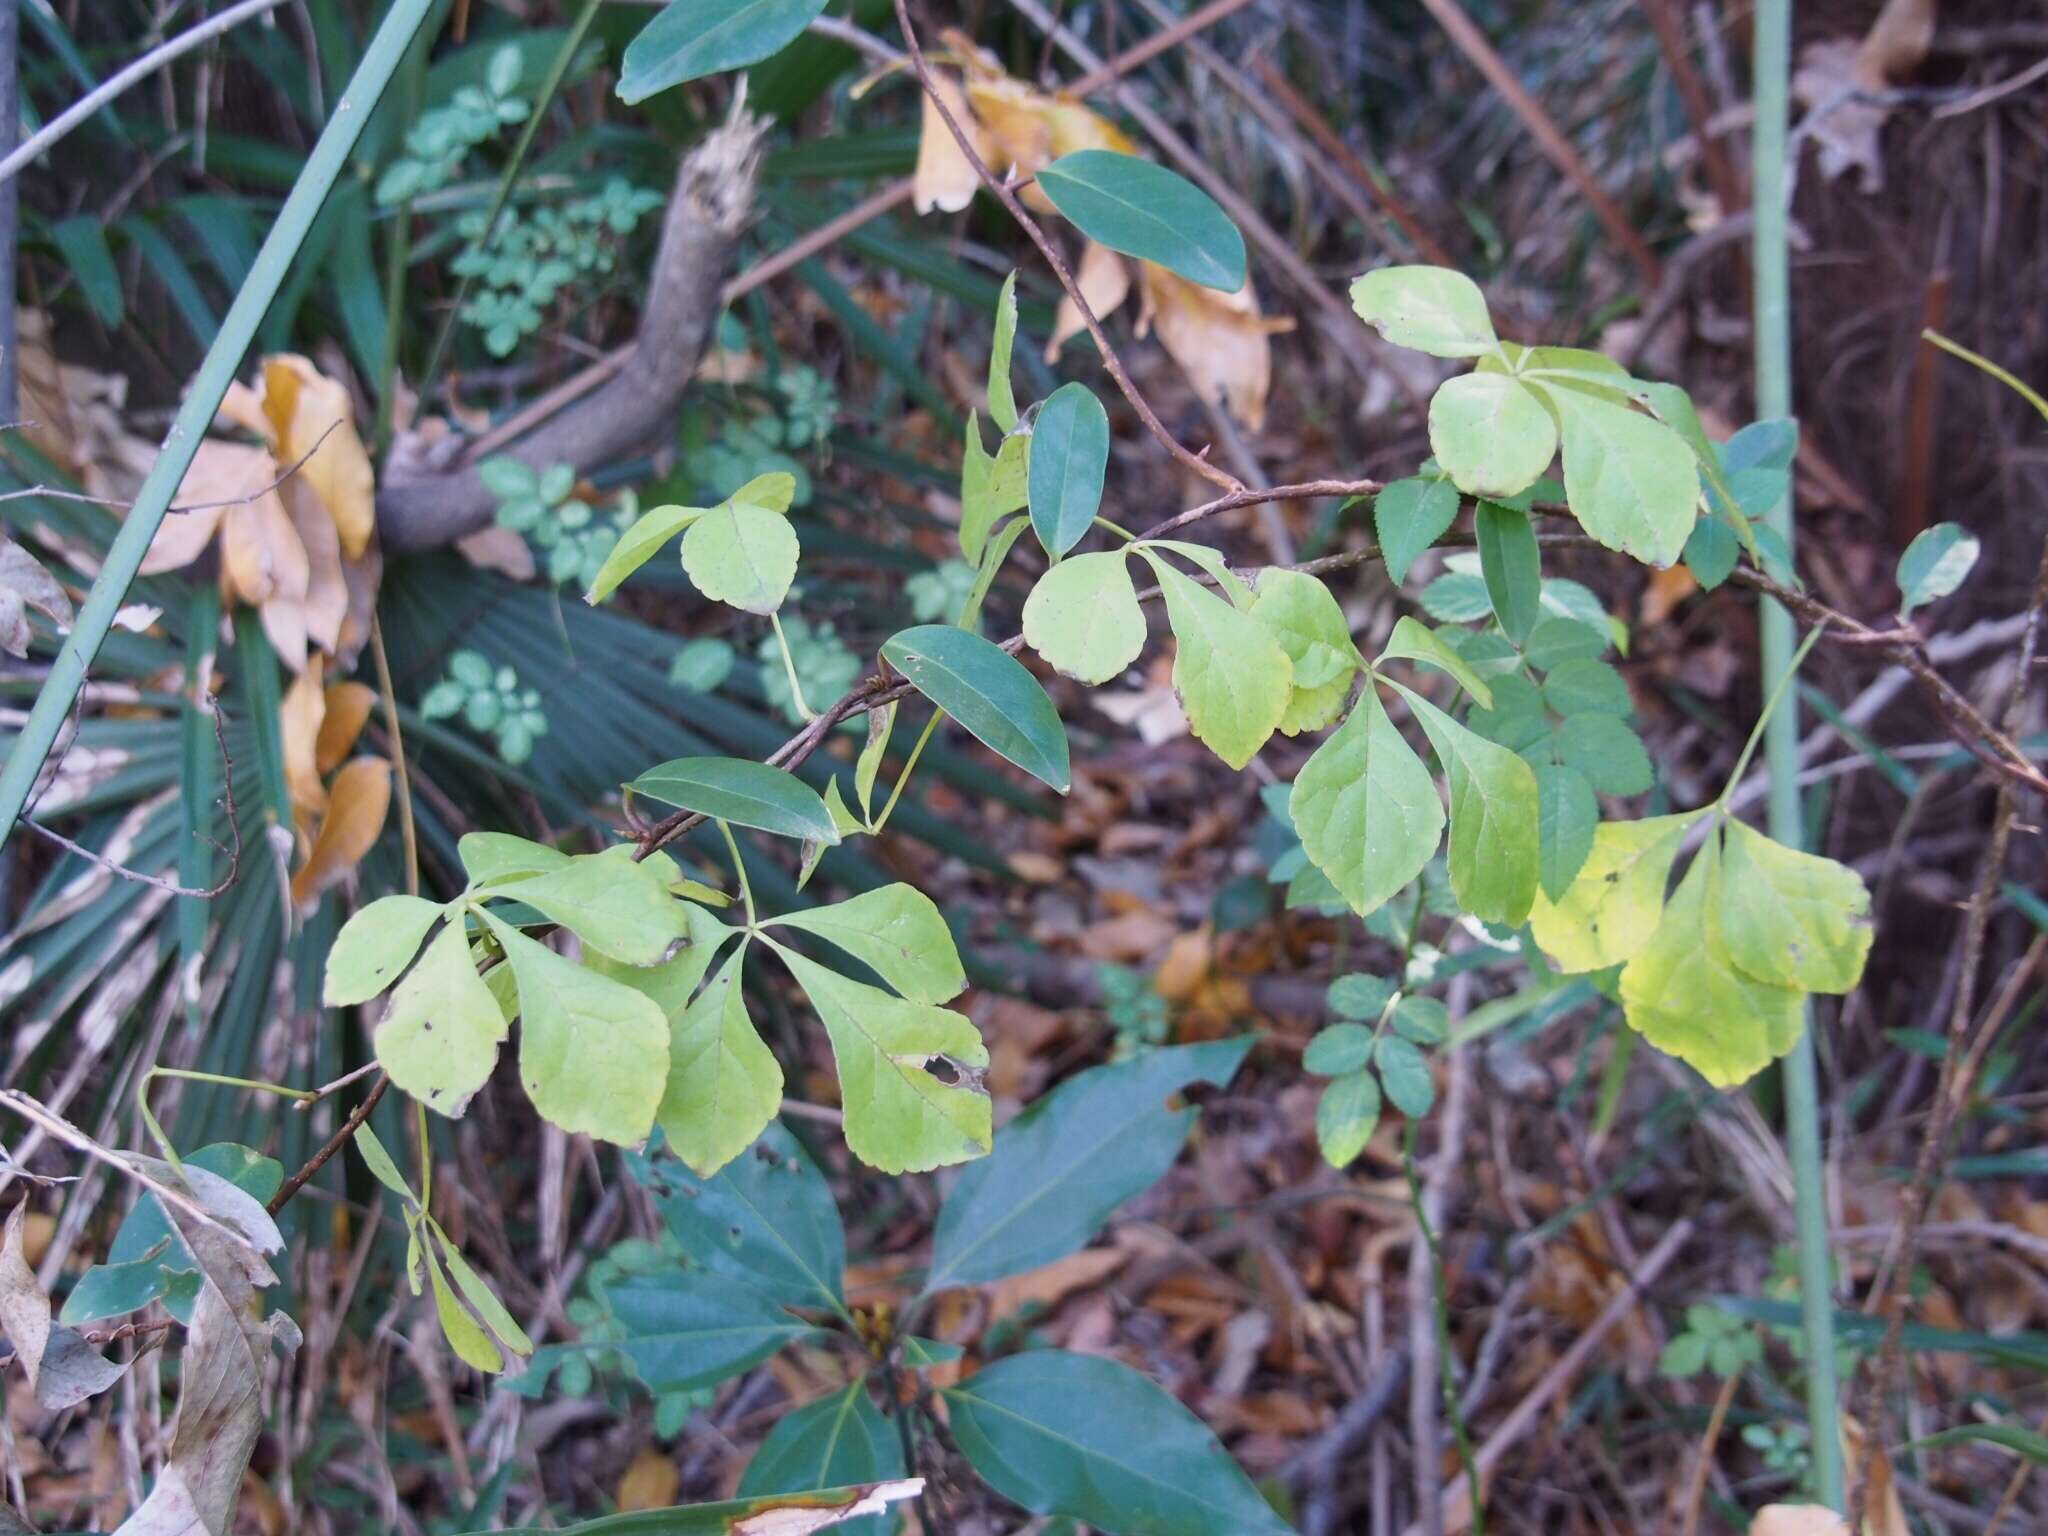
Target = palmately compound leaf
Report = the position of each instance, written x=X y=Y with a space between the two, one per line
x=1069 y=1160
x=989 y=691
x=374 y=947
x=1935 y=564
x=901 y=1116
x=617 y=907
x=1068 y=460
x=1630 y=480
x=1683 y=994
x=593 y=1053
x=1615 y=904
x=1091 y=1439
x=1792 y=918
x=1366 y=808
x=1145 y=210
x=1231 y=674
x=1495 y=846
x=1409 y=516
x=1310 y=627
x=1083 y=617
x=990 y=486
x=1412 y=641
x=440 y=1038
x=1491 y=434
x=743 y=551
x=724 y=1085
x=1431 y=309
x=1002 y=400
x=897 y=932
x=693 y=38
x=637 y=545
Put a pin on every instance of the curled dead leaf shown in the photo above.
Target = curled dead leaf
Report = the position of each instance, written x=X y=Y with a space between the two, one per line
x=1220 y=340
x=313 y=419
x=348 y=707
x=945 y=179
x=1104 y=279
x=301 y=714
x=357 y=803
x=61 y=1367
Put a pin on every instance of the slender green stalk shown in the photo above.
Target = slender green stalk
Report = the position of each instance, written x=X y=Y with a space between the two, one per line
x=796 y=689
x=1770 y=86
x=280 y=248
x=739 y=869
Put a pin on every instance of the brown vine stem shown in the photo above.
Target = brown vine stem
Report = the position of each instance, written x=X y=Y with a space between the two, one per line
x=1874 y=1408
x=334 y=1144
x=1007 y=196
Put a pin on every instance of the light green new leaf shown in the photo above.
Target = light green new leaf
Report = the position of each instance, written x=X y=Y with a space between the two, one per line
x=881 y=722
x=1209 y=561
x=743 y=551
x=637 y=545
x=1145 y=210
x=1491 y=434
x=1414 y=641
x=990 y=486
x=1495 y=848
x=593 y=1053
x=1068 y=460
x=989 y=691
x=381 y=1167
x=1083 y=617
x=693 y=38
x=480 y=1296
x=440 y=1038
x=1935 y=564
x=1002 y=400
x=1792 y=918
x=724 y=1085
x=1512 y=567
x=1567 y=816
x=491 y=857
x=900 y=1116
x=743 y=792
x=897 y=931
x=1684 y=995
x=464 y=1334
x=1231 y=674
x=1305 y=619
x=1630 y=480
x=1410 y=515
x=1614 y=905
x=374 y=946
x=1346 y=1116
x=1366 y=808
x=1431 y=309
x=615 y=906
x=674 y=981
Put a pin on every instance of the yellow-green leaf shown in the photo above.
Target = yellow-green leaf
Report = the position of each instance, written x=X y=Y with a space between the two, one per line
x=1491 y=434
x=1231 y=674
x=1614 y=905
x=724 y=1084
x=440 y=1039
x=1366 y=808
x=1793 y=918
x=1083 y=617
x=1495 y=849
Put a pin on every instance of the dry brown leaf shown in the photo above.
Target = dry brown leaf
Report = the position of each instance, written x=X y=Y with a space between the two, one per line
x=1104 y=279
x=300 y=714
x=358 y=801
x=26 y=584
x=261 y=557
x=348 y=707
x=1897 y=41
x=326 y=601
x=1220 y=340
x=220 y=472
x=1797 y=1520
x=306 y=408
x=362 y=578
x=1050 y=1283
x=1883 y=1513
x=499 y=549
x=945 y=179
x=59 y=1364
x=650 y=1481
x=802 y=1514
x=1186 y=966
x=1667 y=589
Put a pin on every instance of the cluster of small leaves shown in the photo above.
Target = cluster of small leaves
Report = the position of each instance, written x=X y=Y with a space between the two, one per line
x=1372 y=1055
x=940 y=592
x=574 y=539
x=536 y=253
x=491 y=702
x=1133 y=1006
x=442 y=138
x=1712 y=1341
x=578 y=1374
x=758 y=432
x=702 y=665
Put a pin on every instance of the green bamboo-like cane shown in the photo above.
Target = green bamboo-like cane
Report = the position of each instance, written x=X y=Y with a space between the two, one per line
x=1769 y=88
x=223 y=359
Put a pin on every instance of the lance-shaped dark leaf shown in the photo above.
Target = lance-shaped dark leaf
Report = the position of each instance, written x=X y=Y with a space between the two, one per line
x=747 y=794
x=1069 y=457
x=987 y=690
x=686 y=1329
x=693 y=38
x=1145 y=210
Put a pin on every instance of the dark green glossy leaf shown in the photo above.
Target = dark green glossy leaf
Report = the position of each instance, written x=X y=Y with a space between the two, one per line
x=693 y=1328
x=837 y=1440
x=1410 y=515
x=987 y=690
x=1147 y=211
x=692 y=38
x=747 y=794
x=1069 y=457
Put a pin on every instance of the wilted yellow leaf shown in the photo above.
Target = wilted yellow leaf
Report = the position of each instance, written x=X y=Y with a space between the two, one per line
x=1219 y=339
x=650 y=1481
x=220 y=472
x=357 y=804
x=1104 y=279
x=945 y=179
x=301 y=714
x=326 y=599
x=348 y=708
x=306 y=408
x=260 y=553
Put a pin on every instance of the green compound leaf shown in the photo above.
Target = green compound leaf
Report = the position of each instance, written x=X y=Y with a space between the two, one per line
x=1404 y=1074
x=1512 y=567
x=1615 y=904
x=1791 y=918
x=990 y=692
x=990 y=487
x=895 y=930
x=900 y=1116
x=1683 y=994
x=1567 y=815
x=1937 y=562
x=693 y=38
x=1630 y=480
x=593 y=1053
x=440 y=1038
x=619 y=908
x=1068 y=1161
x=1366 y=808
x=1556 y=641
x=1491 y=434
x=374 y=946
x=1231 y=674
x=1606 y=750
x=1431 y=309
x=1304 y=618
x=1412 y=641
x=1410 y=515
x=1359 y=996
x=1083 y=617
x=1145 y=210
x=743 y=551
x=1068 y=459
x=1495 y=844
x=840 y=1439
x=1002 y=400
x=1346 y=1116
x=637 y=545
x=723 y=1085
x=1585 y=686
x=1088 y=1438
x=745 y=793
x=1337 y=1050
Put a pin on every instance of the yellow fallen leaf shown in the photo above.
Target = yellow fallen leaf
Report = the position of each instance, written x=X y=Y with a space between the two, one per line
x=358 y=801
x=945 y=179
x=306 y=409
x=260 y=553
x=498 y=549
x=300 y=717
x=1220 y=340
x=348 y=708
x=326 y=599
x=1104 y=279
x=220 y=472
x=650 y=1481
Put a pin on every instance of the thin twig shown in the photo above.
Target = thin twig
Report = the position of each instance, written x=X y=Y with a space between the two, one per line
x=59 y=493
x=319 y=1160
